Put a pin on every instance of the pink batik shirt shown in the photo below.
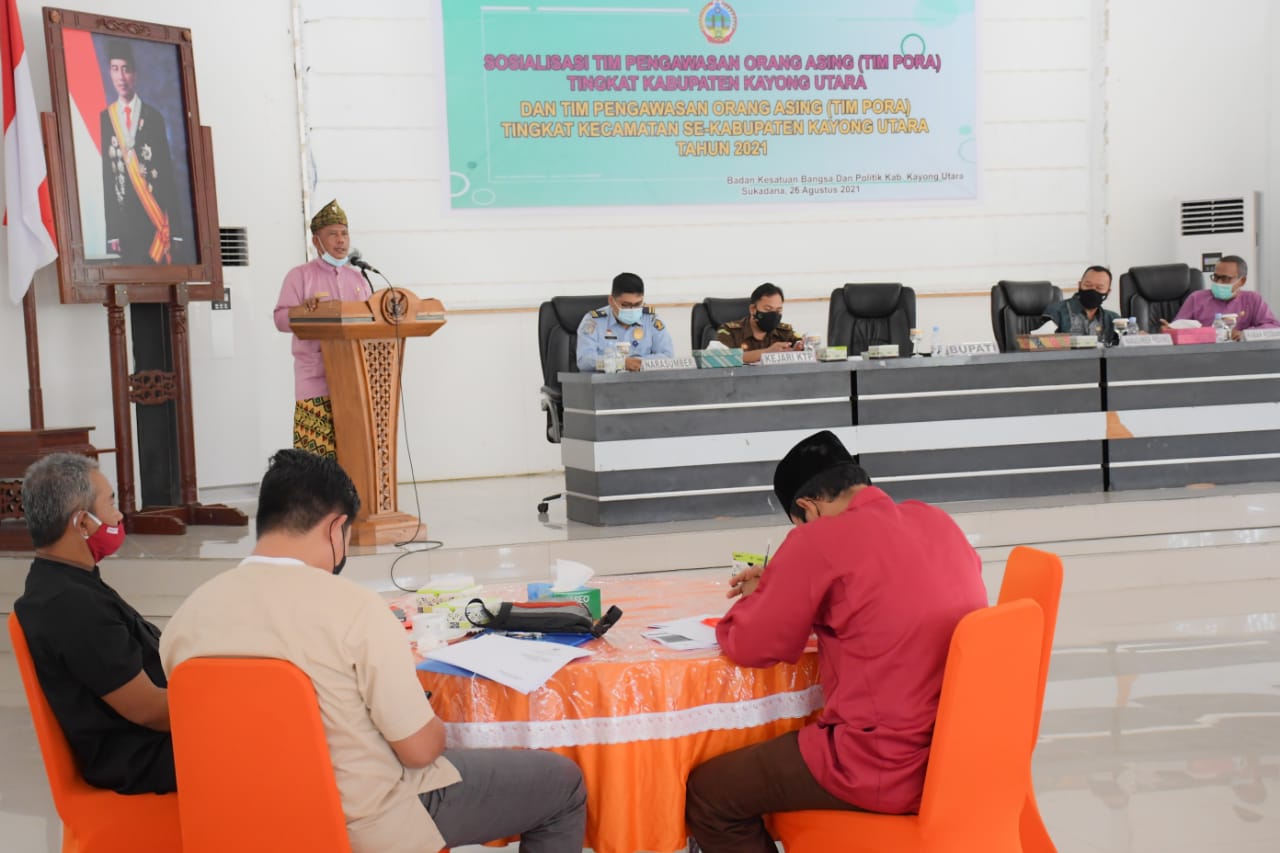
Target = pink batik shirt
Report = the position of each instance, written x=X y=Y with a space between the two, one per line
x=325 y=282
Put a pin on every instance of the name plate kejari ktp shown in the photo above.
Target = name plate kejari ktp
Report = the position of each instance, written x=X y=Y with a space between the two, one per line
x=1146 y=340
x=685 y=363
x=1261 y=334
x=793 y=357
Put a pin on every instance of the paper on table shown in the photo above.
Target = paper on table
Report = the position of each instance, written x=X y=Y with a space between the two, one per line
x=523 y=665
x=685 y=634
x=1185 y=324
x=1048 y=328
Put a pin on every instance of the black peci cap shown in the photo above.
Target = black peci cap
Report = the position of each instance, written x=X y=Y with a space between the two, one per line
x=815 y=455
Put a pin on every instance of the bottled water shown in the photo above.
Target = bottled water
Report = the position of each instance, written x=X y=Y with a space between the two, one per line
x=1220 y=333
x=936 y=344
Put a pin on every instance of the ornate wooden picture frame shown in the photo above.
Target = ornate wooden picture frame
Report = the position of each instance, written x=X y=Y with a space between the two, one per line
x=131 y=175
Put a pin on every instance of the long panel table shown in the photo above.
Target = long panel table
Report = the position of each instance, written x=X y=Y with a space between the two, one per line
x=690 y=444
x=1201 y=414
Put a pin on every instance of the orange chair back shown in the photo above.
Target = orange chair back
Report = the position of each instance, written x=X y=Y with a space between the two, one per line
x=253 y=763
x=977 y=777
x=1036 y=575
x=94 y=820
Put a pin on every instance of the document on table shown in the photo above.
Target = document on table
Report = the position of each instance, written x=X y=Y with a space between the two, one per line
x=684 y=635
x=523 y=665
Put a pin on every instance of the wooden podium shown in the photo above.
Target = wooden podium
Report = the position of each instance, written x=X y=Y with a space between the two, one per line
x=363 y=347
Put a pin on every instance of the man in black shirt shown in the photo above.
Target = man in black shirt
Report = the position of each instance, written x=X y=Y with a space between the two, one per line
x=97 y=659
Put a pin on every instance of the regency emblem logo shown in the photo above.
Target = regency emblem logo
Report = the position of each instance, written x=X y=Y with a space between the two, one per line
x=718 y=22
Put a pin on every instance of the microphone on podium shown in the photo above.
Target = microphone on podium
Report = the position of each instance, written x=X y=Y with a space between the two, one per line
x=358 y=261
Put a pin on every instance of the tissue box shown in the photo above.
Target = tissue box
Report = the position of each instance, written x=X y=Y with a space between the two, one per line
x=441 y=588
x=1202 y=335
x=833 y=353
x=882 y=351
x=587 y=595
x=1031 y=343
x=718 y=357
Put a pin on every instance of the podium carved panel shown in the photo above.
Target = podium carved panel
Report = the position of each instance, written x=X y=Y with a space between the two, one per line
x=381 y=361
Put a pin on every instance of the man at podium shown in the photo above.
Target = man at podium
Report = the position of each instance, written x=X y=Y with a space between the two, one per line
x=326 y=278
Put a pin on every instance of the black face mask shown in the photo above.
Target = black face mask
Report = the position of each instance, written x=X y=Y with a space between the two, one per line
x=1092 y=299
x=768 y=320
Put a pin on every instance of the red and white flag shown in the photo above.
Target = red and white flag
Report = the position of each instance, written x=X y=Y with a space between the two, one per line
x=28 y=216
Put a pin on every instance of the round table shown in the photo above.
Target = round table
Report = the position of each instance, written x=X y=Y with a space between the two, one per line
x=635 y=716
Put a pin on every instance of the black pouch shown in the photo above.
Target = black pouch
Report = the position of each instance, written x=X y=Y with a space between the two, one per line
x=551 y=617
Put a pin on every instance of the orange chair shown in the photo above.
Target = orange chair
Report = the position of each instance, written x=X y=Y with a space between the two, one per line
x=253 y=764
x=976 y=783
x=93 y=820
x=1036 y=575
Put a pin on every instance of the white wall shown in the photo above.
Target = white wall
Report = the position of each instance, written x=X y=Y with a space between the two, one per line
x=1096 y=116
x=1192 y=102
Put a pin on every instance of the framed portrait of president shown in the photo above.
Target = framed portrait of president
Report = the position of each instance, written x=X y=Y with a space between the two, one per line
x=133 y=200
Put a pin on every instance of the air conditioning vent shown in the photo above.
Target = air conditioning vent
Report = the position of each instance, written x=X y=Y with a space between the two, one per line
x=235 y=246
x=1215 y=216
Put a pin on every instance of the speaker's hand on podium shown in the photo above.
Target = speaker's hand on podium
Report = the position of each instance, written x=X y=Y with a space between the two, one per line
x=314 y=302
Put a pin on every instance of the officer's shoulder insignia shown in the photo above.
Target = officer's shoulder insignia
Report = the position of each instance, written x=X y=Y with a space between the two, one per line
x=657 y=324
x=649 y=309
x=732 y=324
x=599 y=312
x=589 y=327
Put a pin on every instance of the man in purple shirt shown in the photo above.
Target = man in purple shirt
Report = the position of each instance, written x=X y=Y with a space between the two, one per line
x=326 y=278
x=1227 y=296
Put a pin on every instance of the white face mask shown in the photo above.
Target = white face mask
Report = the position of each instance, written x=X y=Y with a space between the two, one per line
x=332 y=261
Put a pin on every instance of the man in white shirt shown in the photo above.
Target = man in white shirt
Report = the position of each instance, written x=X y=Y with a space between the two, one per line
x=401 y=790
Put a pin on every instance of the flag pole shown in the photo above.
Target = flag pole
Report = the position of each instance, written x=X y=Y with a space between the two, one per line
x=35 y=395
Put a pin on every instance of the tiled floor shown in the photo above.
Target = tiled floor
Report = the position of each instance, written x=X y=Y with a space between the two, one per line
x=1161 y=731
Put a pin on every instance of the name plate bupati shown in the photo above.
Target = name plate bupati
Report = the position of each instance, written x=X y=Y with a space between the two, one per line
x=1146 y=340
x=975 y=348
x=685 y=363
x=1261 y=334
x=793 y=357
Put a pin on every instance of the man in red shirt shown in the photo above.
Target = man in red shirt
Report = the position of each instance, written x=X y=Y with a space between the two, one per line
x=883 y=586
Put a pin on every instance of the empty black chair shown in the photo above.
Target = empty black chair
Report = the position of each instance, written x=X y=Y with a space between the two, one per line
x=1155 y=293
x=710 y=314
x=558 y=321
x=863 y=315
x=1017 y=307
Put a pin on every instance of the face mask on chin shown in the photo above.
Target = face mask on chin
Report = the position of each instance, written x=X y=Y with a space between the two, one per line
x=104 y=541
x=332 y=261
x=1092 y=299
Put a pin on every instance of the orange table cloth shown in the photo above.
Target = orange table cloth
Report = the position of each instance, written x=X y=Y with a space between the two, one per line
x=635 y=716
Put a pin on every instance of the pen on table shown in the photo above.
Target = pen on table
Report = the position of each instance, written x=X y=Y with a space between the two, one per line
x=767 y=549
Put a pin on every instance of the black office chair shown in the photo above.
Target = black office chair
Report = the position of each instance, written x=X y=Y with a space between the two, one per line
x=1017 y=307
x=1155 y=293
x=863 y=315
x=710 y=314
x=558 y=322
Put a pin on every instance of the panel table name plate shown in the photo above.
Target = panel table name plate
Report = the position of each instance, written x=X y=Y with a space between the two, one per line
x=1193 y=415
x=788 y=357
x=363 y=348
x=1127 y=341
x=1252 y=335
x=684 y=363
x=974 y=348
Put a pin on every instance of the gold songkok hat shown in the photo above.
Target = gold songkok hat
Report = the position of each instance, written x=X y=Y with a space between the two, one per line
x=330 y=214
